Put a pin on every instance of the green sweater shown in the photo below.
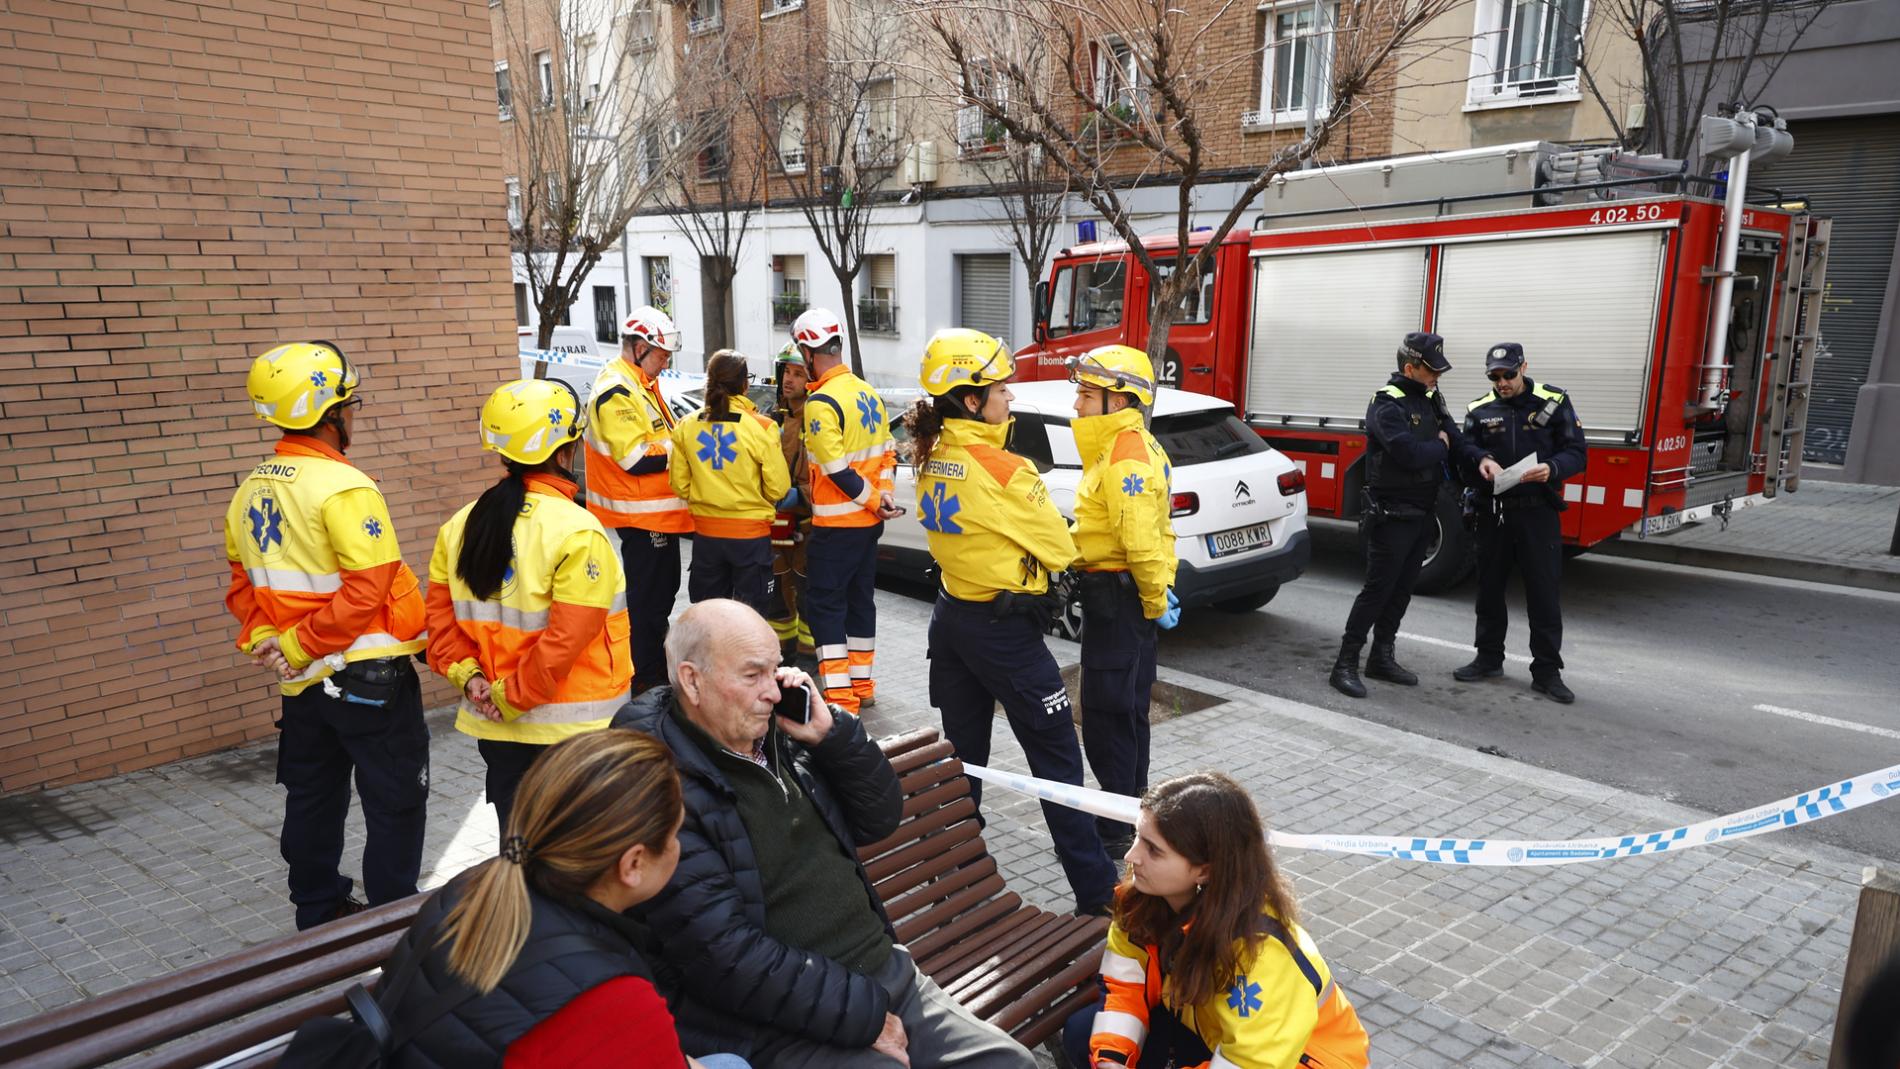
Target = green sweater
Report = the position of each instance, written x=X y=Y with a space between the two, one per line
x=814 y=898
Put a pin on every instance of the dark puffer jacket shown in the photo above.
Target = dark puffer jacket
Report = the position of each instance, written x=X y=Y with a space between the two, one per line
x=479 y=1031
x=725 y=977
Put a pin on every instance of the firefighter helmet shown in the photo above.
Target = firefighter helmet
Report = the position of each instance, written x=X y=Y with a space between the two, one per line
x=960 y=356
x=648 y=324
x=789 y=355
x=294 y=384
x=815 y=327
x=528 y=419
x=1122 y=368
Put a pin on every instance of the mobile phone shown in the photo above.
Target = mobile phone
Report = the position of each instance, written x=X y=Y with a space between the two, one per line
x=899 y=509
x=794 y=703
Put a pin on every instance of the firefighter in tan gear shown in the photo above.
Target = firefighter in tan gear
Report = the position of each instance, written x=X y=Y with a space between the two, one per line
x=791 y=529
x=629 y=444
x=1126 y=544
x=996 y=537
x=322 y=596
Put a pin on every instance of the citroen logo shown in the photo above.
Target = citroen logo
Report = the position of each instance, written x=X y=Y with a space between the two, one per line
x=1240 y=490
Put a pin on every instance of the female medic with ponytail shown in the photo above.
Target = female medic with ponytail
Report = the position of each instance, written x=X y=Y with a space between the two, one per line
x=526 y=959
x=527 y=603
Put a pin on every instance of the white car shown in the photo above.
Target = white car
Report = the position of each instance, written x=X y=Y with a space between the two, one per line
x=1239 y=504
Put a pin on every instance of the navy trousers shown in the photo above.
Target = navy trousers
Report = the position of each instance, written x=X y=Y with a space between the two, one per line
x=1118 y=679
x=736 y=568
x=652 y=563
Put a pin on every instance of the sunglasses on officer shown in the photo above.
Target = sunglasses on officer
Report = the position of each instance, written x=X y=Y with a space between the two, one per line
x=1501 y=376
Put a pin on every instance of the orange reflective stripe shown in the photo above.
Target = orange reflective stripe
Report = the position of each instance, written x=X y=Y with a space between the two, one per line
x=620 y=499
x=730 y=527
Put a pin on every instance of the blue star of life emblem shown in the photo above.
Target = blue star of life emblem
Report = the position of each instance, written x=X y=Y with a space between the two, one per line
x=940 y=511
x=716 y=447
x=555 y=417
x=372 y=527
x=318 y=378
x=593 y=570
x=1132 y=485
x=1244 y=997
x=267 y=523
x=870 y=411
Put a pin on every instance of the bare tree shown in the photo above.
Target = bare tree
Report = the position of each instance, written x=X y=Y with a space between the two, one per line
x=582 y=83
x=1115 y=91
x=1695 y=55
x=833 y=106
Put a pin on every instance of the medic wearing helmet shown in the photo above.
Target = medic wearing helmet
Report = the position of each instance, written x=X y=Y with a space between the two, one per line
x=996 y=537
x=323 y=598
x=629 y=443
x=527 y=607
x=848 y=442
x=1126 y=543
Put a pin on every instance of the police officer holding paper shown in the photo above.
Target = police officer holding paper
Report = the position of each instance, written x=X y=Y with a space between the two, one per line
x=1518 y=527
x=1409 y=437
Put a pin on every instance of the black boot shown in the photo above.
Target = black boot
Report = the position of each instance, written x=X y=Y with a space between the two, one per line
x=1382 y=664
x=1345 y=677
x=1552 y=686
x=1479 y=668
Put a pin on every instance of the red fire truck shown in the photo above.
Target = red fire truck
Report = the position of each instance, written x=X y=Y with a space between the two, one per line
x=1603 y=265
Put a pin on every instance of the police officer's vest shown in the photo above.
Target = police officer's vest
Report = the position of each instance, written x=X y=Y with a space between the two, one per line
x=1511 y=431
x=1421 y=412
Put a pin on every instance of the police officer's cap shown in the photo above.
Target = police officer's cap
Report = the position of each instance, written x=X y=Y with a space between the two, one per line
x=1427 y=349
x=1504 y=356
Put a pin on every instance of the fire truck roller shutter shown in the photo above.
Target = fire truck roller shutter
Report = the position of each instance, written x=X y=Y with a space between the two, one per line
x=1583 y=306
x=1326 y=326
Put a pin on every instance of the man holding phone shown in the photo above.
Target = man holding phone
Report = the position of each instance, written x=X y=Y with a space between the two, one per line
x=770 y=941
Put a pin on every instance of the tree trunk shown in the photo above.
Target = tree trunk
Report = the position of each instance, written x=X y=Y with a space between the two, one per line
x=1163 y=299
x=852 y=356
x=715 y=301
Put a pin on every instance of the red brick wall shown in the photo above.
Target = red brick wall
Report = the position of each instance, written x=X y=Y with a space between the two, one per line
x=182 y=185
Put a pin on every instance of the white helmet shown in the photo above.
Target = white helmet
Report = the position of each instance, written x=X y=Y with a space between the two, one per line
x=650 y=325
x=815 y=327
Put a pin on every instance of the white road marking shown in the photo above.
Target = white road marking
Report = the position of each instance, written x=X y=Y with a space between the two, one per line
x=1828 y=721
x=1430 y=641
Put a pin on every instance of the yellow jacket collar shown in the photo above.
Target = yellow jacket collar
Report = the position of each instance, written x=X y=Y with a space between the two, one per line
x=977 y=432
x=1094 y=434
x=303 y=445
x=639 y=373
x=552 y=485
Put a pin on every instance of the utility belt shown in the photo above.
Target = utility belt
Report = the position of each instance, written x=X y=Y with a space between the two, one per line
x=1039 y=608
x=1373 y=512
x=1103 y=594
x=1477 y=506
x=374 y=682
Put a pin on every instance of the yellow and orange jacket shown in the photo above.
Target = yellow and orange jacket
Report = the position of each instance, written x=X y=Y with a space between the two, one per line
x=314 y=564
x=731 y=472
x=1282 y=1011
x=848 y=439
x=629 y=441
x=552 y=643
x=1122 y=505
x=987 y=515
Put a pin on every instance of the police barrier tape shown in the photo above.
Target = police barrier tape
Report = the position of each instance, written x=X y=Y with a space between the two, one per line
x=1804 y=808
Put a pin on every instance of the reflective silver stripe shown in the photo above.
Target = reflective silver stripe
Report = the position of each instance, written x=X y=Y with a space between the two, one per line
x=639 y=451
x=574 y=712
x=844 y=508
x=1219 y=1061
x=1123 y=968
x=831 y=653
x=300 y=582
x=493 y=612
x=1326 y=994
x=869 y=452
x=619 y=602
x=832 y=682
x=375 y=640
x=862 y=645
x=833 y=467
x=860 y=671
x=614 y=504
x=1117 y=1023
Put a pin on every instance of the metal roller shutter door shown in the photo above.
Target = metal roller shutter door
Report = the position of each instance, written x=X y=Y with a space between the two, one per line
x=983 y=292
x=1849 y=169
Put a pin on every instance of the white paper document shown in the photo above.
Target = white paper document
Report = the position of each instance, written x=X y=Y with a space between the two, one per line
x=1513 y=475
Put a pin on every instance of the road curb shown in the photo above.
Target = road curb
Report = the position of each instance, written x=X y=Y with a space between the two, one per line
x=1811 y=569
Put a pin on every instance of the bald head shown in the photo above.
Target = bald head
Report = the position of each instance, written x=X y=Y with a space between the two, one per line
x=721 y=657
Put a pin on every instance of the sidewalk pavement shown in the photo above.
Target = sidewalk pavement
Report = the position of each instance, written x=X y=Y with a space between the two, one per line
x=1723 y=956
x=1826 y=532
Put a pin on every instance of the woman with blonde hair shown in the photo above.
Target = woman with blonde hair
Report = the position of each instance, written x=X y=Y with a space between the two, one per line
x=1206 y=962
x=729 y=468
x=526 y=959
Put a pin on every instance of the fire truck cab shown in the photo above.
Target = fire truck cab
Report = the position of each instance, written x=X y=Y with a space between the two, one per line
x=1604 y=266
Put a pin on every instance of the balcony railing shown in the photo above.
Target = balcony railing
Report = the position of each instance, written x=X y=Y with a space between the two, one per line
x=879 y=316
x=792 y=160
x=977 y=134
x=787 y=309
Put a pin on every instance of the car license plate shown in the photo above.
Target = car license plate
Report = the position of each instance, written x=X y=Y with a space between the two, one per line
x=1664 y=523
x=1238 y=540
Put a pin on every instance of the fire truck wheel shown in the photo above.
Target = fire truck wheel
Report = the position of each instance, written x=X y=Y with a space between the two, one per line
x=1449 y=559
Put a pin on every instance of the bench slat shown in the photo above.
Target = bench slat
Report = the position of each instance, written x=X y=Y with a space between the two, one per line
x=954 y=880
x=925 y=947
x=972 y=953
x=1029 y=941
x=987 y=993
x=960 y=851
x=915 y=828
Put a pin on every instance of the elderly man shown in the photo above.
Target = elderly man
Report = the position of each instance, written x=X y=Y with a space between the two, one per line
x=770 y=937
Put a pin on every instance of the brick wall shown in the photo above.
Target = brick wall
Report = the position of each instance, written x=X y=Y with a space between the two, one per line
x=182 y=186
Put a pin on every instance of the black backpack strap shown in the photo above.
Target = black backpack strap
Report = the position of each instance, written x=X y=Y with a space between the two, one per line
x=535 y=953
x=1278 y=931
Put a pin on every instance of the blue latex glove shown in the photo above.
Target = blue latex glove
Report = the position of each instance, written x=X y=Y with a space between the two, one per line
x=789 y=501
x=1172 y=616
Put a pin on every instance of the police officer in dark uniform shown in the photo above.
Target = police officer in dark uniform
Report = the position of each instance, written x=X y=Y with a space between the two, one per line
x=1409 y=437
x=1519 y=528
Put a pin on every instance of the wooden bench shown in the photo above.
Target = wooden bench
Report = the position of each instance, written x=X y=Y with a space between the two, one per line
x=1022 y=968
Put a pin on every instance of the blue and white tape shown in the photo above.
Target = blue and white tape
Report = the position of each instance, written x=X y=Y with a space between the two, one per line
x=1804 y=808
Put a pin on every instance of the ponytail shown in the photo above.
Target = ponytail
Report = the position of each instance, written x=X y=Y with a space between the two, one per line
x=583 y=804
x=725 y=379
x=488 y=539
x=924 y=420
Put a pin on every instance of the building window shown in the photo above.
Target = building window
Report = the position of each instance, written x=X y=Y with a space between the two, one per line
x=514 y=203
x=606 y=315
x=704 y=17
x=791 y=135
x=715 y=152
x=978 y=133
x=1526 y=49
x=659 y=273
x=877 y=299
x=521 y=304
x=877 y=124
x=778 y=7
x=1296 y=63
x=1117 y=78
x=647 y=162
x=788 y=289
x=544 y=78
x=640 y=25
x=504 y=93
